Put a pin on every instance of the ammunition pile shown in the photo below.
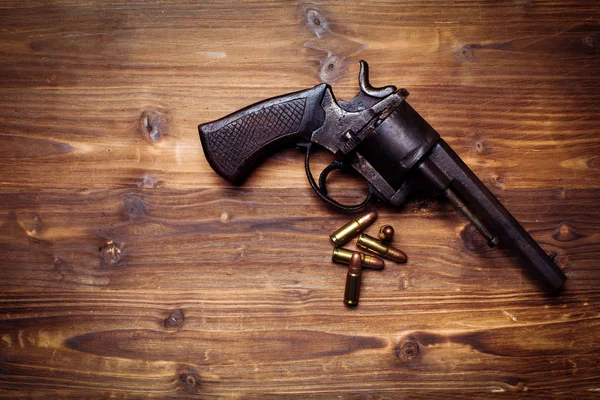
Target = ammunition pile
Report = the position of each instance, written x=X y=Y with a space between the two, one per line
x=357 y=260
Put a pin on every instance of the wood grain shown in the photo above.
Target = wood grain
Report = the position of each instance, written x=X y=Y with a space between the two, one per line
x=129 y=269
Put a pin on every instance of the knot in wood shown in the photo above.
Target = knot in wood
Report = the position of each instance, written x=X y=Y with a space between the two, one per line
x=189 y=380
x=30 y=222
x=565 y=233
x=465 y=53
x=473 y=240
x=408 y=351
x=110 y=253
x=153 y=125
x=589 y=41
x=174 y=319
x=315 y=21
x=497 y=181
x=516 y=385
x=148 y=182
x=480 y=147
x=134 y=208
x=335 y=47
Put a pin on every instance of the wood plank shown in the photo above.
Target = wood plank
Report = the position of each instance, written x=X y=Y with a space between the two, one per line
x=227 y=343
x=97 y=139
x=139 y=238
x=129 y=269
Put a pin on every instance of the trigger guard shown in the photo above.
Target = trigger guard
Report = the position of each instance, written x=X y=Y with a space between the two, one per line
x=321 y=188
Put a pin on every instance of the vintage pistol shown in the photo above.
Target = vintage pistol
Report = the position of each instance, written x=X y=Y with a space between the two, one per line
x=379 y=135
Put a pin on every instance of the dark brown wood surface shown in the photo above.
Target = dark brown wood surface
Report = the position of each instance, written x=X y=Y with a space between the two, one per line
x=129 y=269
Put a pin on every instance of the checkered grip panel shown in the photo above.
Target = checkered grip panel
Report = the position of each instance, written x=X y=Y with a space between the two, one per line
x=235 y=142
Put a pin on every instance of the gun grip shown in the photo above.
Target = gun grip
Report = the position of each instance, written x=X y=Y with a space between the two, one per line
x=234 y=144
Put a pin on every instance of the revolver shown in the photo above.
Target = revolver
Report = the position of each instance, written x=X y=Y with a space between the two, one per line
x=380 y=136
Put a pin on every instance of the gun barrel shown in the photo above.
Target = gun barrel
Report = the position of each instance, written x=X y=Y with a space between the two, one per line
x=404 y=144
x=449 y=173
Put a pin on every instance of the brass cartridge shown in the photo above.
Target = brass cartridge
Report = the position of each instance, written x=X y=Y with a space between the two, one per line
x=378 y=247
x=386 y=233
x=342 y=256
x=352 y=228
x=353 y=278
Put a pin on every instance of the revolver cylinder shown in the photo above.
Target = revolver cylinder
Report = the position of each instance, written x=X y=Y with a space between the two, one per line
x=398 y=144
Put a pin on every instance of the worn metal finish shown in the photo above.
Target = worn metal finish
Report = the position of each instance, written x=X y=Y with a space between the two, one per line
x=352 y=228
x=380 y=136
x=365 y=85
x=378 y=247
x=492 y=240
x=353 y=281
x=342 y=256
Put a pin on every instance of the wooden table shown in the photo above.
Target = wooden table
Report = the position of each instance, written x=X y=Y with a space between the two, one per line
x=131 y=270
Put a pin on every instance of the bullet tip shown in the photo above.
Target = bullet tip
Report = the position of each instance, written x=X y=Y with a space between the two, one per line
x=386 y=233
x=377 y=263
x=399 y=256
x=367 y=219
x=355 y=261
